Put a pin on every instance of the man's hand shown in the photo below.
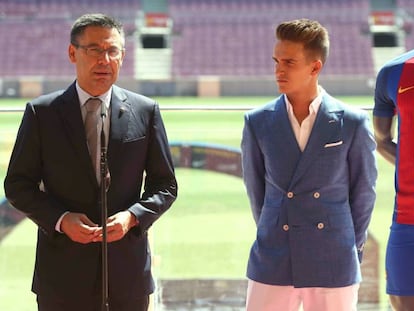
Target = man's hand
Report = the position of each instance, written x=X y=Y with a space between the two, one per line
x=79 y=228
x=117 y=226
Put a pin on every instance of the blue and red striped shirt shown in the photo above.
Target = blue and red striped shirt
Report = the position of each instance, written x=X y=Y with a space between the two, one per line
x=394 y=95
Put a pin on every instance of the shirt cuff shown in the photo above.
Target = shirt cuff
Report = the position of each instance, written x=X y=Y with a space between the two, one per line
x=59 y=222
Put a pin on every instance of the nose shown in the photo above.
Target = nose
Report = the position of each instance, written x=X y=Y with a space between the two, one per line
x=277 y=68
x=280 y=69
x=104 y=57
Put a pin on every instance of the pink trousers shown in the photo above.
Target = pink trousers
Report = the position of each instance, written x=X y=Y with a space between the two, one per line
x=263 y=297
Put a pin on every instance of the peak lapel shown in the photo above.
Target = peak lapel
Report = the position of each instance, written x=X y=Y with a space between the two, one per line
x=279 y=142
x=279 y=127
x=327 y=128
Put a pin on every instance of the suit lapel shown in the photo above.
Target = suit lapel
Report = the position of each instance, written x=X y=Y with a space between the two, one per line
x=120 y=115
x=70 y=113
x=280 y=127
x=279 y=142
x=327 y=128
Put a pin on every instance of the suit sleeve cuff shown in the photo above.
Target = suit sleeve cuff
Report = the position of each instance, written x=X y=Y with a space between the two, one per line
x=59 y=222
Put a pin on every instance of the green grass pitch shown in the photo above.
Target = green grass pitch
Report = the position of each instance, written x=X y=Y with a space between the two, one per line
x=210 y=217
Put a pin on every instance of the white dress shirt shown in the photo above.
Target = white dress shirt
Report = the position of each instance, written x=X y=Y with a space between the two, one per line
x=303 y=131
x=106 y=100
x=83 y=97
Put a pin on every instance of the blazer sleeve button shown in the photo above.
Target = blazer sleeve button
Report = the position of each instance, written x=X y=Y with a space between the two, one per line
x=321 y=225
x=285 y=227
x=316 y=195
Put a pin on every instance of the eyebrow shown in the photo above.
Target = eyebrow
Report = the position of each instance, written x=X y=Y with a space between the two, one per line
x=96 y=45
x=285 y=59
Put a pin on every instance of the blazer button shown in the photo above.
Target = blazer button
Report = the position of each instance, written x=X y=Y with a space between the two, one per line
x=290 y=194
x=316 y=195
x=321 y=225
x=285 y=227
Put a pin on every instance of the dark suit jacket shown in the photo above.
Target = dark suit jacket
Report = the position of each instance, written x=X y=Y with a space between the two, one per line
x=51 y=147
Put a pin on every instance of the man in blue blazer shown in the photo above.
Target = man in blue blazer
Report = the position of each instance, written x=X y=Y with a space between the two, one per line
x=52 y=180
x=310 y=172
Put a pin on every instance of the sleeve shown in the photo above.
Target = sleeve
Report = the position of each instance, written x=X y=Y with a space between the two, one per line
x=384 y=105
x=363 y=176
x=253 y=169
x=23 y=178
x=160 y=187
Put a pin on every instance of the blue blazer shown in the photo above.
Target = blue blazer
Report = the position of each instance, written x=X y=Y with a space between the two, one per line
x=312 y=208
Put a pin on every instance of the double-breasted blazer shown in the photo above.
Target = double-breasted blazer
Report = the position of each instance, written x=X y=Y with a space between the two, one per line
x=51 y=148
x=312 y=208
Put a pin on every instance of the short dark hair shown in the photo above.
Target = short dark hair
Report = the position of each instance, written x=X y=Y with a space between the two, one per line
x=95 y=19
x=311 y=33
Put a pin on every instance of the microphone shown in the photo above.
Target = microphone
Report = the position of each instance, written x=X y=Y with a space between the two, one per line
x=121 y=111
x=103 y=110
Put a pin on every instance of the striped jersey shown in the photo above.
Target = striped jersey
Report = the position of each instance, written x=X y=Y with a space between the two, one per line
x=394 y=95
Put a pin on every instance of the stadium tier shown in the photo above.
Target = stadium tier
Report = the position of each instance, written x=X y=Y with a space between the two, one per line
x=407 y=7
x=210 y=37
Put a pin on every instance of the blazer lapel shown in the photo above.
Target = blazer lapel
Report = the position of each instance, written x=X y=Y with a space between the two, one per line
x=120 y=115
x=327 y=128
x=70 y=113
x=280 y=128
x=280 y=143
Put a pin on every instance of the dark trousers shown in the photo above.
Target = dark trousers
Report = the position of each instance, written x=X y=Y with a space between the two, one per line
x=52 y=304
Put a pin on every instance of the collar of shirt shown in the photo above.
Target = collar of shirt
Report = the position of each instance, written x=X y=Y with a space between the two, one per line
x=302 y=131
x=314 y=105
x=106 y=99
x=84 y=96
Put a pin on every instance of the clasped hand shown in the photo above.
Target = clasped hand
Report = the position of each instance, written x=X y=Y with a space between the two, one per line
x=79 y=228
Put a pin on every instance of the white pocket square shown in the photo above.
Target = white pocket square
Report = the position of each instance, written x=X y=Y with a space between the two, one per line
x=334 y=144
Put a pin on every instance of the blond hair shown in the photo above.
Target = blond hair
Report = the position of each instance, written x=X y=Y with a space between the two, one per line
x=311 y=33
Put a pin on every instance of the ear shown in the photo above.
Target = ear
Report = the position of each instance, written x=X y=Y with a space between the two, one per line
x=122 y=58
x=71 y=53
x=317 y=67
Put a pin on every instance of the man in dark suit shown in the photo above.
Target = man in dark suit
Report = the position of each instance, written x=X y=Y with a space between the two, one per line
x=52 y=180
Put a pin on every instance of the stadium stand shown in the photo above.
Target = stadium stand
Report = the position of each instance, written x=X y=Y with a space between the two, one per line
x=37 y=34
x=211 y=37
x=236 y=37
x=407 y=10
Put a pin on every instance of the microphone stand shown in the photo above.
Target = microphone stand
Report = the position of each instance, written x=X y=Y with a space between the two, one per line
x=104 y=213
